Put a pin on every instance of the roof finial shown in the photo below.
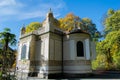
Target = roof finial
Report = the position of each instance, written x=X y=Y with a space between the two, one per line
x=23 y=29
x=23 y=26
x=50 y=11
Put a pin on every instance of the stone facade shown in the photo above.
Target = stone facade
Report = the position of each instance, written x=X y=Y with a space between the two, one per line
x=50 y=51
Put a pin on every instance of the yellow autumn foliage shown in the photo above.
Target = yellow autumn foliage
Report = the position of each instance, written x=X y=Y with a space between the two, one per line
x=33 y=26
x=68 y=22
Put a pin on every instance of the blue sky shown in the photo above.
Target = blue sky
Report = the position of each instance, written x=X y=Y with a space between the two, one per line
x=15 y=13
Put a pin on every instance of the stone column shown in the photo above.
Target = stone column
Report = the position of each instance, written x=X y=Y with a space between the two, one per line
x=87 y=47
x=32 y=55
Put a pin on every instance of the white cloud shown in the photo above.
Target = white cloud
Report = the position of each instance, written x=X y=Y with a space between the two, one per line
x=14 y=9
x=27 y=15
x=7 y=3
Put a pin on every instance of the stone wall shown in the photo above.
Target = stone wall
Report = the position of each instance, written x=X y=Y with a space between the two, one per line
x=72 y=63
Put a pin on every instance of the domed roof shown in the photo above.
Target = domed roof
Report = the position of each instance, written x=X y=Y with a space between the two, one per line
x=77 y=30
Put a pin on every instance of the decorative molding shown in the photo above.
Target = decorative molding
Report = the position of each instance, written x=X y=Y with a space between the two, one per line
x=55 y=63
x=45 y=62
x=58 y=63
x=76 y=62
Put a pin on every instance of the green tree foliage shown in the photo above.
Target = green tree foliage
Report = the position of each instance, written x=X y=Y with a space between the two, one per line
x=114 y=46
x=110 y=12
x=33 y=26
x=7 y=38
x=110 y=46
x=100 y=62
x=90 y=27
x=112 y=22
x=7 y=56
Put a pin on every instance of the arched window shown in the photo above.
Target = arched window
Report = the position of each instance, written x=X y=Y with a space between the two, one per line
x=80 y=49
x=23 y=52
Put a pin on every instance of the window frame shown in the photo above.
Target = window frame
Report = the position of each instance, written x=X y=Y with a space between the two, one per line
x=80 y=45
x=82 y=40
x=25 y=53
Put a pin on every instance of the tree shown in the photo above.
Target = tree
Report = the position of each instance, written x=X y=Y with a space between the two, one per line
x=110 y=46
x=70 y=21
x=113 y=39
x=90 y=27
x=6 y=39
x=112 y=33
x=33 y=26
x=100 y=62
x=112 y=21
